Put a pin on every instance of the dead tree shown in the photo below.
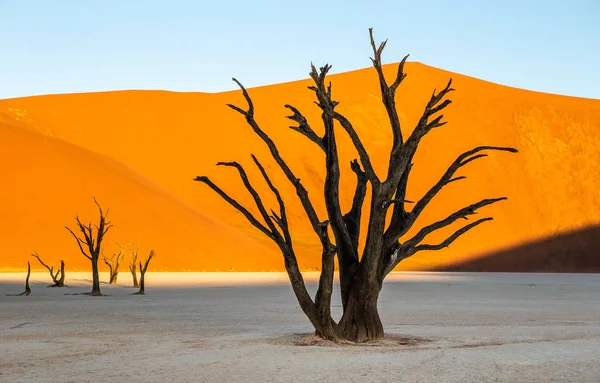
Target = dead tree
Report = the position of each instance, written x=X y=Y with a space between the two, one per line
x=91 y=244
x=386 y=244
x=27 y=288
x=59 y=277
x=113 y=264
x=143 y=270
x=133 y=251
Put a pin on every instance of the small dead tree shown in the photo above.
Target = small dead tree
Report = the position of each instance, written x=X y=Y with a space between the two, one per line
x=143 y=270
x=113 y=264
x=59 y=277
x=361 y=275
x=133 y=251
x=27 y=288
x=91 y=244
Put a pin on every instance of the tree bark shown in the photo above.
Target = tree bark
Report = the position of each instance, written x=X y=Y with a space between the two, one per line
x=361 y=321
x=142 y=290
x=61 y=281
x=27 y=288
x=95 y=277
x=134 y=275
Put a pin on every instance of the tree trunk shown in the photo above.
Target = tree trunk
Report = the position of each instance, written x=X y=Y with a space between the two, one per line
x=142 y=275
x=361 y=322
x=113 y=277
x=326 y=328
x=142 y=288
x=61 y=282
x=95 y=277
x=134 y=277
x=27 y=288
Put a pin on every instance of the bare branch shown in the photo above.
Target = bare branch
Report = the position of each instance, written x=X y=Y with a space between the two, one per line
x=79 y=242
x=398 y=228
x=87 y=233
x=400 y=76
x=291 y=264
x=432 y=107
x=394 y=201
x=352 y=218
x=460 y=161
x=282 y=218
x=300 y=190
x=462 y=213
x=453 y=237
x=388 y=95
x=248 y=113
x=365 y=160
x=304 y=128
x=58 y=282
x=101 y=229
x=236 y=205
x=256 y=197
x=345 y=248
x=50 y=269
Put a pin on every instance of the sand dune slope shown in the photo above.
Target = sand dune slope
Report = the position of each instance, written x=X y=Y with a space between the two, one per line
x=46 y=182
x=168 y=138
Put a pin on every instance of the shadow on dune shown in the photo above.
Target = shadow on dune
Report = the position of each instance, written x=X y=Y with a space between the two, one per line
x=571 y=252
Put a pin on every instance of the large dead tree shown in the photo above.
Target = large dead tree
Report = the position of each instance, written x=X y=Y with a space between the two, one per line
x=27 y=288
x=114 y=262
x=143 y=270
x=58 y=277
x=386 y=245
x=91 y=243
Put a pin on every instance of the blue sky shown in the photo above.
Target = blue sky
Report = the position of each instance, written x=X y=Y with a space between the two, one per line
x=62 y=46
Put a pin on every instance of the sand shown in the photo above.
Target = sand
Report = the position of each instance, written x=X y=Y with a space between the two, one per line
x=219 y=327
x=138 y=151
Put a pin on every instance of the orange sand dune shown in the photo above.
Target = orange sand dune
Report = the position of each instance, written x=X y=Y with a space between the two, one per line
x=168 y=138
x=48 y=181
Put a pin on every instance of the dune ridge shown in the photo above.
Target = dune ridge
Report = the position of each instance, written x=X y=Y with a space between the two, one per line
x=149 y=145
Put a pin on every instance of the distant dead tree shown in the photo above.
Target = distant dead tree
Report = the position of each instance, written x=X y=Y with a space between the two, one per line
x=113 y=264
x=361 y=275
x=59 y=277
x=143 y=272
x=27 y=288
x=133 y=251
x=91 y=244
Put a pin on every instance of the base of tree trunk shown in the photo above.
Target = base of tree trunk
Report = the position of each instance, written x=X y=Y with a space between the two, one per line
x=330 y=332
x=361 y=321
x=55 y=285
x=361 y=330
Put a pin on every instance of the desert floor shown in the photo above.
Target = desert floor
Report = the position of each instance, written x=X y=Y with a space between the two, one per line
x=236 y=327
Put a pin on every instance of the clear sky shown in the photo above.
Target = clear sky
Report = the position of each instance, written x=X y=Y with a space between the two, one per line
x=64 y=46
